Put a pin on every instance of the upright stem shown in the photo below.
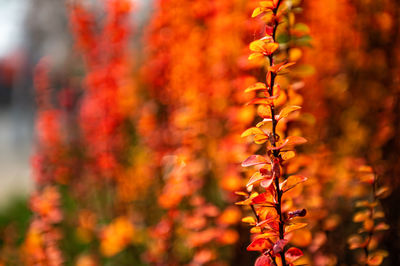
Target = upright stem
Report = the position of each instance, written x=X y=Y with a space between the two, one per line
x=274 y=135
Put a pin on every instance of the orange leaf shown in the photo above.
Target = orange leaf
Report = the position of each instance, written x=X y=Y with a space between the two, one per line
x=279 y=67
x=289 y=141
x=249 y=220
x=292 y=227
x=295 y=140
x=288 y=155
x=260 y=139
x=271 y=47
x=259 y=245
x=377 y=257
x=287 y=110
x=260 y=101
x=264 y=111
x=264 y=198
x=292 y=181
x=257 y=86
x=257 y=176
x=355 y=241
x=361 y=216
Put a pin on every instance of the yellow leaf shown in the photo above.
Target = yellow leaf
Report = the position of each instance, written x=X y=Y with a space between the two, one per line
x=252 y=131
x=257 y=46
x=257 y=12
x=257 y=86
x=271 y=47
x=255 y=56
x=288 y=155
x=266 y=4
x=255 y=230
x=249 y=220
x=260 y=139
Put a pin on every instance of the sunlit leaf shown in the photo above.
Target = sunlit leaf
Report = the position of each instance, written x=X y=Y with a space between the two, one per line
x=254 y=56
x=257 y=46
x=288 y=155
x=260 y=46
x=260 y=139
x=252 y=131
x=264 y=111
x=249 y=220
x=266 y=183
x=255 y=160
x=240 y=193
x=257 y=11
x=264 y=101
x=257 y=86
x=288 y=110
x=257 y=176
x=264 y=198
x=269 y=234
x=292 y=181
x=259 y=245
x=290 y=141
x=279 y=67
x=267 y=4
x=292 y=227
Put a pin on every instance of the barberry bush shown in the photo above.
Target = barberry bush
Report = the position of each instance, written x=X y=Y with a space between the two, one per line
x=225 y=132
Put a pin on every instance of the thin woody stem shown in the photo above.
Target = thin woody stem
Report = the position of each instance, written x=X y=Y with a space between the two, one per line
x=274 y=135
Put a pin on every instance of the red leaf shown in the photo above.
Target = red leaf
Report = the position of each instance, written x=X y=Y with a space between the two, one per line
x=293 y=254
x=264 y=198
x=264 y=261
x=259 y=245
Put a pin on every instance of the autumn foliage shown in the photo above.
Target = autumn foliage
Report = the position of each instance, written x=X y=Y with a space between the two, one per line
x=226 y=132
